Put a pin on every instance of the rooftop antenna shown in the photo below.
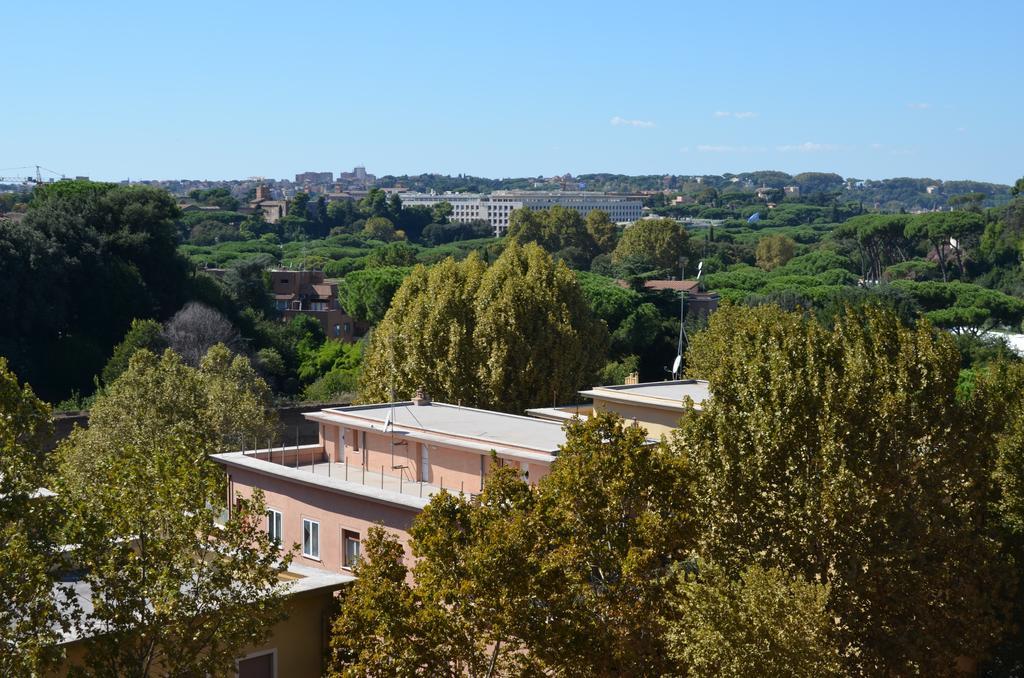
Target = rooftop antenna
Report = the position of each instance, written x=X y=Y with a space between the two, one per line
x=678 y=362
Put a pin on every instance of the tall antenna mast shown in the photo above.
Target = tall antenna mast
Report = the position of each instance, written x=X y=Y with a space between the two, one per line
x=678 y=363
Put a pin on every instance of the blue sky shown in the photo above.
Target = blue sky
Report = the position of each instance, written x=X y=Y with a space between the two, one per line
x=223 y=90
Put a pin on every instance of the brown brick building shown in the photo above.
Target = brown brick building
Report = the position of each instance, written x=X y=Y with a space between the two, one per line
x=308 y=293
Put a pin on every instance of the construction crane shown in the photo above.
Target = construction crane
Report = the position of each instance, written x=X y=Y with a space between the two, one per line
x=28 y=179
x=17 y=180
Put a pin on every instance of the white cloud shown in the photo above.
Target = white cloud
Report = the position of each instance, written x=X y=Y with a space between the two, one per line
x=625 y=122
x=708 y=148
x=877 y=147
x=808 y=147
x=739 y=115
x=919 y=106
x=684 y=149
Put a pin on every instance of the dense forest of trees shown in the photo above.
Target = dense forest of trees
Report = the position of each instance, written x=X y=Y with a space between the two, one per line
x=98 y=271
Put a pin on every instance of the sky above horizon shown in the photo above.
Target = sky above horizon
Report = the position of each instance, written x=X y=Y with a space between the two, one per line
x=117 y=90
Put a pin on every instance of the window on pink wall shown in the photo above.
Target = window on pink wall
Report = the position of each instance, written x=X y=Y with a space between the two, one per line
x=350 y=549
x=424 y=463
x=311 y=538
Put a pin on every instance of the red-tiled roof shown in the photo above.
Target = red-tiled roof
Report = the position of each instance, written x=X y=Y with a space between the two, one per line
x=675 y=285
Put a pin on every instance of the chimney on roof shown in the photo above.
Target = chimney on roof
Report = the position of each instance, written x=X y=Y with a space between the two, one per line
x=632 y=378
x=421 y=397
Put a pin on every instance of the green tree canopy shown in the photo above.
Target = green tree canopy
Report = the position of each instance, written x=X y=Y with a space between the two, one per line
x=366 y=295
x=86 y=260
x=30 y=614
x=507 y=337
x=774 y=251
x=560 y=228
x=652 y=245
x=947 y=233
x=570 y=578
x=143 y=334
x=762 y=622
x=173 y=592
x=379 y=228
x=843 y=455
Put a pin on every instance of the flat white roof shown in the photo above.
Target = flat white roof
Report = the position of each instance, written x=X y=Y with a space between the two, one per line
x=664 y=394
x=483 y=428
x=306 y=579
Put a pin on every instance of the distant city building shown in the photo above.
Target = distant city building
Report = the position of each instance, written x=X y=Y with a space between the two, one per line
x=357 y=178
x=932 y=190
x=495 y=208
x=793 y=191
x=314 y=178
x=309 y=293
x=273 y=210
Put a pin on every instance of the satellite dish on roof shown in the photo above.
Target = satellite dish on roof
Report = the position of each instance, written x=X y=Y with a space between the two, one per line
x=676 y=364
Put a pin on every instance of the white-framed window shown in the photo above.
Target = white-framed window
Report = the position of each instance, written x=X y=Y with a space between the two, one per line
x=310 y=538
x=350 y=549
x=274 y=526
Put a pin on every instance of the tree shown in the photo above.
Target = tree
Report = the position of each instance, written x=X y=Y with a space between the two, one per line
x=196 y=328
x=441 y=211
x=413 y=220
x=535 y=334
x=569 y=578
x=375 y=204
x=963 y=307
x=30 y=617
x=763 y=622
x=143 y=334
x=613 y=516
x=87 y=259
x=378 y=631
x=299 y=206
x=341 y=214
x=653 y=245
x=880 y=240
x=556 y=229
x=393 y=254
x=366 y=295
x=246 y=281
x=774 y=251
x=942 y=229
x=173 y=590
x=426 y=336
x=379 y=228
x=507 y=337
x=602 y=231
x=333 y=370
x=832 y=453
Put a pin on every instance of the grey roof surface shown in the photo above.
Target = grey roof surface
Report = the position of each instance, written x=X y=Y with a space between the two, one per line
x=466 y=422
x=310 y=579
x=672 y=392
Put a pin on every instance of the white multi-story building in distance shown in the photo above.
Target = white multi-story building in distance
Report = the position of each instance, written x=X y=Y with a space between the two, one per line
x=495 y=208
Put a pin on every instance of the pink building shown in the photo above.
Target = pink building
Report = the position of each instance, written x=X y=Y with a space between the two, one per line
x=379 y=464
